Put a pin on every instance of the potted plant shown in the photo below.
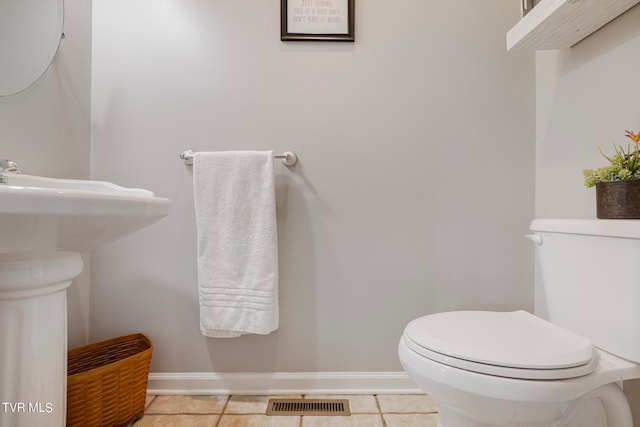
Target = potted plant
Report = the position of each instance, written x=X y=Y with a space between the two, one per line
x=618 y=183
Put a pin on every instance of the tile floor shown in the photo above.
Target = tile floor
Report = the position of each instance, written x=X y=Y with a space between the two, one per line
x=248 y=411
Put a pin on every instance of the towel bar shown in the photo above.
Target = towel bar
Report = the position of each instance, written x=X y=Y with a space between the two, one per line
x=289 y=158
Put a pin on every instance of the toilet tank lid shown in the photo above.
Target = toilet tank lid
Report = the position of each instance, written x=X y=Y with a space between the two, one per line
x=625 y=228
x=514 y=339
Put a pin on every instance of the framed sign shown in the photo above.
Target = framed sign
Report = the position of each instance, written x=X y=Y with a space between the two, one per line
x=324 y=20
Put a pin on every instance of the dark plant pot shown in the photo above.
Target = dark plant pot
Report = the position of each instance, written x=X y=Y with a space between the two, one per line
x=618 y=199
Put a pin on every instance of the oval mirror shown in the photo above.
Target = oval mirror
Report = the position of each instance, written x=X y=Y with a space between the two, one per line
x=30 y=32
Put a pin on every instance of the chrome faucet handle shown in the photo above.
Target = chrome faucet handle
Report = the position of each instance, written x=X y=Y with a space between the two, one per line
x=9 y=166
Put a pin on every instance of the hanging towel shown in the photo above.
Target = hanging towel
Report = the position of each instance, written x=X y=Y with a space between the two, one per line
x=234 y=195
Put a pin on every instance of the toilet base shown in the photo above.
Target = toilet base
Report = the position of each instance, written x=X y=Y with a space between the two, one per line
x=460 y=417
x=448 y=417
x=591 y=411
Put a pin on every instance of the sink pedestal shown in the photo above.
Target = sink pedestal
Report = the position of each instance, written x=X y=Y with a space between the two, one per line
x=33 y=337
x=39 y=219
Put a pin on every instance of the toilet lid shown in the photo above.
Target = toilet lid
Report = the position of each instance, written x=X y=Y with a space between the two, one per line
x=504 y=339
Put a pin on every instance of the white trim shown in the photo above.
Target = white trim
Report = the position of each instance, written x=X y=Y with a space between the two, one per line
x=194 y=383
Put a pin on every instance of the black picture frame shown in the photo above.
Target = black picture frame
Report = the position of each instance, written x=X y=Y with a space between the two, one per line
x=317 y=20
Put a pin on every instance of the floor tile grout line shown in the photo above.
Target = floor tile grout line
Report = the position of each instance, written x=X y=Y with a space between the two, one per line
x=224 y=409
x=153 y=399
x=375 y=398
x=384 y=422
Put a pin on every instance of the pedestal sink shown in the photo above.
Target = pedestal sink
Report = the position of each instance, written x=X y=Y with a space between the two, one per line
x=44 y=224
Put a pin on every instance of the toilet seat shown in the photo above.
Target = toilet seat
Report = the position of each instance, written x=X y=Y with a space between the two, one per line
x=506 y=344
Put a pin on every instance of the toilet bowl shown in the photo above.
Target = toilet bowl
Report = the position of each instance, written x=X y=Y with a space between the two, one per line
x=514 y=369
x=552 y=377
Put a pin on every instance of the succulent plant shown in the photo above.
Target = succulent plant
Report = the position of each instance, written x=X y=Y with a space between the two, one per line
x=623 y=164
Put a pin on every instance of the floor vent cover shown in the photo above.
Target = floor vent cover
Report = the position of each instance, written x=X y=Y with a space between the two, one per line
x=326 y=407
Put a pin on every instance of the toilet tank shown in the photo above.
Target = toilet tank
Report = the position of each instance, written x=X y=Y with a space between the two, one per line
x=591 y=278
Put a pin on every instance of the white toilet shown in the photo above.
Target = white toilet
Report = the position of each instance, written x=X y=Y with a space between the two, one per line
x=491 y=369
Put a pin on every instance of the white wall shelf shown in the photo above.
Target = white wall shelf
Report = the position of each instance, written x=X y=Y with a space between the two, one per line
x=558 y=24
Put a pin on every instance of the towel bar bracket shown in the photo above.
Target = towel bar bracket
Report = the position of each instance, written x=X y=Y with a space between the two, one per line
x=187 y=156
x=289 y=158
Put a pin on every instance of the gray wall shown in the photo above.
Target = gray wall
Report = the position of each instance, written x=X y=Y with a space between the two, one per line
x=46 y=130
x=414 y=187
x=46 y=127
x=587 y=96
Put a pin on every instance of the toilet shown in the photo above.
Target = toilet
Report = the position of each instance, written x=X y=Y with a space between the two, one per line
x=490 y=369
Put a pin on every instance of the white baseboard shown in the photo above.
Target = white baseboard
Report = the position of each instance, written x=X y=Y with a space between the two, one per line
x=274 y=383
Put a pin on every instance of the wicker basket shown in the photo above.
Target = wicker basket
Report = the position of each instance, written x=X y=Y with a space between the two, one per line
x=107 y=381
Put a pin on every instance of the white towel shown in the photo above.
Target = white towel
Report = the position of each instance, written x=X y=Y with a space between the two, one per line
x=234 y=194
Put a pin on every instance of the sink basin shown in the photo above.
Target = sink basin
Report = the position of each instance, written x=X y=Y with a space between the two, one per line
x=40 y=214
x=44 y=223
